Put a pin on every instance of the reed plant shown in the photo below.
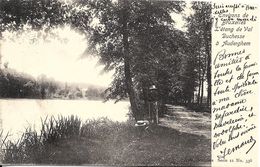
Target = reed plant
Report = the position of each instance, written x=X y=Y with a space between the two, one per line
x=66 y=140
x=61 y=128
x=37 y=147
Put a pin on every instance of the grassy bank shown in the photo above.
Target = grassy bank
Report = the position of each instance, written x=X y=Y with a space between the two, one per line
x=69 y=141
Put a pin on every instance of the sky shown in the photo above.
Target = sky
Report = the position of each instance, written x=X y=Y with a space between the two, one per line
x=58 y=57
x=178 y=18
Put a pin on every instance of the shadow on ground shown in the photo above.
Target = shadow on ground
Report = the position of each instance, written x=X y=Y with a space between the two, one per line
x=105 y=142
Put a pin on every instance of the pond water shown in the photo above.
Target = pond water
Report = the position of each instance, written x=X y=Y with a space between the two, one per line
x=18 y=114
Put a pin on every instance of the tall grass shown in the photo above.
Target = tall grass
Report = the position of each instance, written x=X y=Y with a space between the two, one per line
x=106 y=139
x=102 y=127
x=61 y=128
x=37 y=147
x=65 y=140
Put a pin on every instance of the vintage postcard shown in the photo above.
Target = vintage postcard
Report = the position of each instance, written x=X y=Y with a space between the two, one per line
x=129 y=83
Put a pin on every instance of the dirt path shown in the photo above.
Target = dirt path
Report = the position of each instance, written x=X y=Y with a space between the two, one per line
x=188 y=121
x=182 y=139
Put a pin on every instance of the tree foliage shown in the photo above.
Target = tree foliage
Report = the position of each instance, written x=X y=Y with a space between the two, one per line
x=137 y=39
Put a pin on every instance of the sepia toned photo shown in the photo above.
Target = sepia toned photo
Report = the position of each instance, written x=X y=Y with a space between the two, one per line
x=105 y=82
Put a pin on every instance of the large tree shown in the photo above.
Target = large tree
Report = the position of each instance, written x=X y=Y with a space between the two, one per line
x=199 y=32
x=133 y=37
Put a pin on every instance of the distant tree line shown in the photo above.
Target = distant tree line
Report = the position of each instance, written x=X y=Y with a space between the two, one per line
x=19 y=85
x=14 y=84
x=137 y=39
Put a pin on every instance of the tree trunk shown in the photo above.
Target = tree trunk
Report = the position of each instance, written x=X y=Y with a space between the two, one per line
x=198 y=97
x=208 y=48
x=127 y=60
x=192 y=97
x=209 y=81
x=145 y=98
x=202 y=88
x=203 y=78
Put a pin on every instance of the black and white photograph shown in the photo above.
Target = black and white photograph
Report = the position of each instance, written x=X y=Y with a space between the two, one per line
x=105 y=82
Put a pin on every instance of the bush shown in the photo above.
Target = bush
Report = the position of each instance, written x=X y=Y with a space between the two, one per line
x=100 y=128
